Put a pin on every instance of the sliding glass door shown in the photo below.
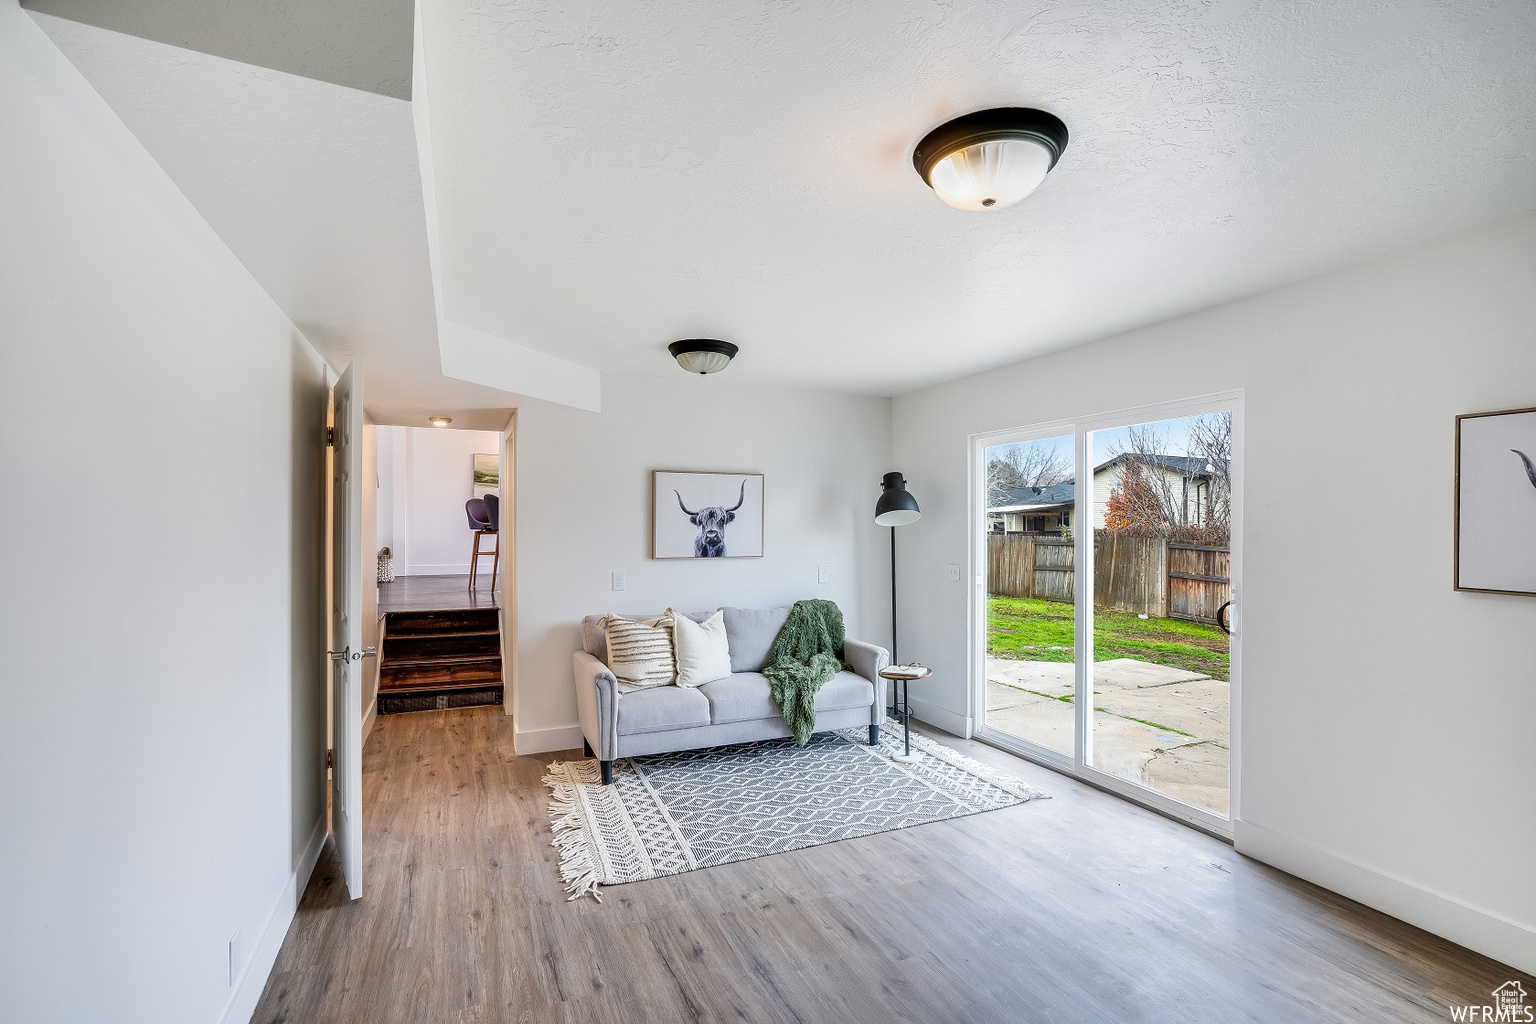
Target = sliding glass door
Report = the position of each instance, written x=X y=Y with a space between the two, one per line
x=1105 y=585
x=1031 y=606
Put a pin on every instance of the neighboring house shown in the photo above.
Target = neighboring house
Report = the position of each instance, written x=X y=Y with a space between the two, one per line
x=1045 y=509
x=1048 y=509
x=1189 y=480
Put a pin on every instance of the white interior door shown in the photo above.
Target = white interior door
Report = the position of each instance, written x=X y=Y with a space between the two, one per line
x=347 y=628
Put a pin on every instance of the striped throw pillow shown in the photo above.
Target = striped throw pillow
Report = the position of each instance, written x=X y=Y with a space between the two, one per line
x=640 y=654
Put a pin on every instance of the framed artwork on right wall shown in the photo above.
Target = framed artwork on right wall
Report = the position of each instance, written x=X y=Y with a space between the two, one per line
x=1496 y=502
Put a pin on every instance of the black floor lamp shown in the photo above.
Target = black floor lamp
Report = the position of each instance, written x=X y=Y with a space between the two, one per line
x=896 y=507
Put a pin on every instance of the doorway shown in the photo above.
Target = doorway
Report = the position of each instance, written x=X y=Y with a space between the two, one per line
x=442 y=553
x=1107 y=572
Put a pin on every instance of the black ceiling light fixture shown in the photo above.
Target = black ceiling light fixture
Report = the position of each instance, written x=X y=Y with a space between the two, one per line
x=991 y=158
x=702 y=355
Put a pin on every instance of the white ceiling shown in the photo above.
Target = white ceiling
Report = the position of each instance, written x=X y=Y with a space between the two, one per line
x=606 y=177
x=317 y=189
x=615 y=174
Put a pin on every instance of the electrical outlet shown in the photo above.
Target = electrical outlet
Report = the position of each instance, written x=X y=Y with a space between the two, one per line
x=234 y=959
x=954 y=573
x=618 y=581
x=823 y=574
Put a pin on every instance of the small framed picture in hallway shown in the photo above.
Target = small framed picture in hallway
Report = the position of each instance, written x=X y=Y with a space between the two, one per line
x=1496 y=502
x=706 y=515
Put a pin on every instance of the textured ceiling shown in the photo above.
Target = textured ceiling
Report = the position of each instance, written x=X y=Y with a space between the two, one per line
x=614 y=175
x=604 y=177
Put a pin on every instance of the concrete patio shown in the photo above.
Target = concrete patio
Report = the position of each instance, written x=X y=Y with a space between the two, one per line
x=1159 y=727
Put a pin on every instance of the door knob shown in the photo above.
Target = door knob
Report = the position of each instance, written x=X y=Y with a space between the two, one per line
x=368 y=652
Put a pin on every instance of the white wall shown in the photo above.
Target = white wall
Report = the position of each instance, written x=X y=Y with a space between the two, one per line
x=584 y=512
x=161 y=621
x=429 y=482
x=1387 y=721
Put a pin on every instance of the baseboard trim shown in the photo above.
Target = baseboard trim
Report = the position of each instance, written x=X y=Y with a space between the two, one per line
x=542 y=741
x=258 y=966
x=455 y=569
x=1488 y=933
x=941 y=718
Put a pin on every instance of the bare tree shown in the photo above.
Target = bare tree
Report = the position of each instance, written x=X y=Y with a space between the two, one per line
x=1030 y=464
x=1160 y=493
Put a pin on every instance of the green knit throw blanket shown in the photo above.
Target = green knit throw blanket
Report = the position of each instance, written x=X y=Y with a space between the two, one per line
x=806 y=653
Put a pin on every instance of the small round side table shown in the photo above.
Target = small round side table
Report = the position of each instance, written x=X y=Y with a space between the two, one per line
x=902 y=679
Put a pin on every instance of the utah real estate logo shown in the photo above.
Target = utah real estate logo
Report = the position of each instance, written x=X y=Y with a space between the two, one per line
x=1508 y=1005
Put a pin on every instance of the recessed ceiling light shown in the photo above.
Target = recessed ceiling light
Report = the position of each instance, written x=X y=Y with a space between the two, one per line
x=991 y=158
x=439 y=421
x=702 y=355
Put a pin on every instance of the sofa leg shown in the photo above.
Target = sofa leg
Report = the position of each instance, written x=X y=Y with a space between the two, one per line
x=586 y=748
x=607 y=773
x=874 y=735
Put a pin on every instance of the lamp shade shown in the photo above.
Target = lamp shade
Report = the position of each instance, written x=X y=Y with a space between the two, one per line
x=702 y=355
x=992 y=158
x=896 y=506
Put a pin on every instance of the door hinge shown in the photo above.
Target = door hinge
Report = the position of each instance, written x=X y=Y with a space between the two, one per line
x=330 y=759
x=330 y=437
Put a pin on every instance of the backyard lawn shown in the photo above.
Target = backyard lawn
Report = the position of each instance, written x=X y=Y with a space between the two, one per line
x=1030 y=630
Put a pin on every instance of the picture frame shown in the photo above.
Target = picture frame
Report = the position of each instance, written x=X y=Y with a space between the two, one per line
x=706 y=514
x=485 y=474
x=1495 y=495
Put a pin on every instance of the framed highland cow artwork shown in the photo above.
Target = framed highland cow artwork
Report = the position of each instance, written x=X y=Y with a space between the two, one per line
x=1496 y=502
x=706 y=515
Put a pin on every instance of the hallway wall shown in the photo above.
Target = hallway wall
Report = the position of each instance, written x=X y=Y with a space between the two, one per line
x=161 y=620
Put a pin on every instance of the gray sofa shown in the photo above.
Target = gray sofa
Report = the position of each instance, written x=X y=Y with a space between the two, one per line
x=737 y=709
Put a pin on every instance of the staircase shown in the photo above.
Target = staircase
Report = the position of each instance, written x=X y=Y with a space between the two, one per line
x=435 y=660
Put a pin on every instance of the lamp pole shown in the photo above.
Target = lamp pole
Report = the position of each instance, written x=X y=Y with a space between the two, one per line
x=895 y=508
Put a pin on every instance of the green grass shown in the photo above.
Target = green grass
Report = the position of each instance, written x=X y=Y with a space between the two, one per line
x=1043 y=631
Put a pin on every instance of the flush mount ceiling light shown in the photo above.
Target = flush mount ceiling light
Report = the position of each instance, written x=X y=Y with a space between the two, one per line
x=702 y=355
x=439 y=421
x=992 y=158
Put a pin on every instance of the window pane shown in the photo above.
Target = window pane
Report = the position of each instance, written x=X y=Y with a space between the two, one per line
x=1161 y=694
x=1030 y=586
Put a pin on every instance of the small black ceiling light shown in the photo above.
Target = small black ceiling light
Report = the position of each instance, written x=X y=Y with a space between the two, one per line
x=991 y=158
x=702 y=355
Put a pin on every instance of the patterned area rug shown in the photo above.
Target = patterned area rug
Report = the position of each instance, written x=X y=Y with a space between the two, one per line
x=672 y=813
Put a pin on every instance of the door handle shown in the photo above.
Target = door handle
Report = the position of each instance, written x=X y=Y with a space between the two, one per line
x=1223 y=621
x=347 y=654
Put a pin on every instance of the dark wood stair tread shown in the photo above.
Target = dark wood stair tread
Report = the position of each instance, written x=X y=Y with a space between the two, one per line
x=441 y=659
x=424 y=634
x=432 y=685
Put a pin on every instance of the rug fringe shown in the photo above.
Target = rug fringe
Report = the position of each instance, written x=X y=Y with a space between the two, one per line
x=577 y=868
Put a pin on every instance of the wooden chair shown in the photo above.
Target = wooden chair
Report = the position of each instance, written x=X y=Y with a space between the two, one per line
x=484 y=519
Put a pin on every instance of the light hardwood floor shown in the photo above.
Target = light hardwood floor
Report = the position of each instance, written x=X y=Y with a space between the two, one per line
x=1078 y=908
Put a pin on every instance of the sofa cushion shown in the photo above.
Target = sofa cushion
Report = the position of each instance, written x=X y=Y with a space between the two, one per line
x=660 y=708
x=751 y=632
x=595 y=642
x=747 y=697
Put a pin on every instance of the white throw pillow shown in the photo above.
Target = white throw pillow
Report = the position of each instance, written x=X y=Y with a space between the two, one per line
x=703 y=655
x=640 y=654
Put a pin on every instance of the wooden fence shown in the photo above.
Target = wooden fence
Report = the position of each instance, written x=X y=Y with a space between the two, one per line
x=1199 y=581
x=1141 y=575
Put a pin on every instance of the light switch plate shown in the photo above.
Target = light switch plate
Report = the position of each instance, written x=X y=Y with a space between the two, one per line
x=824 y=574
x=618 y=581
x=954 y=573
